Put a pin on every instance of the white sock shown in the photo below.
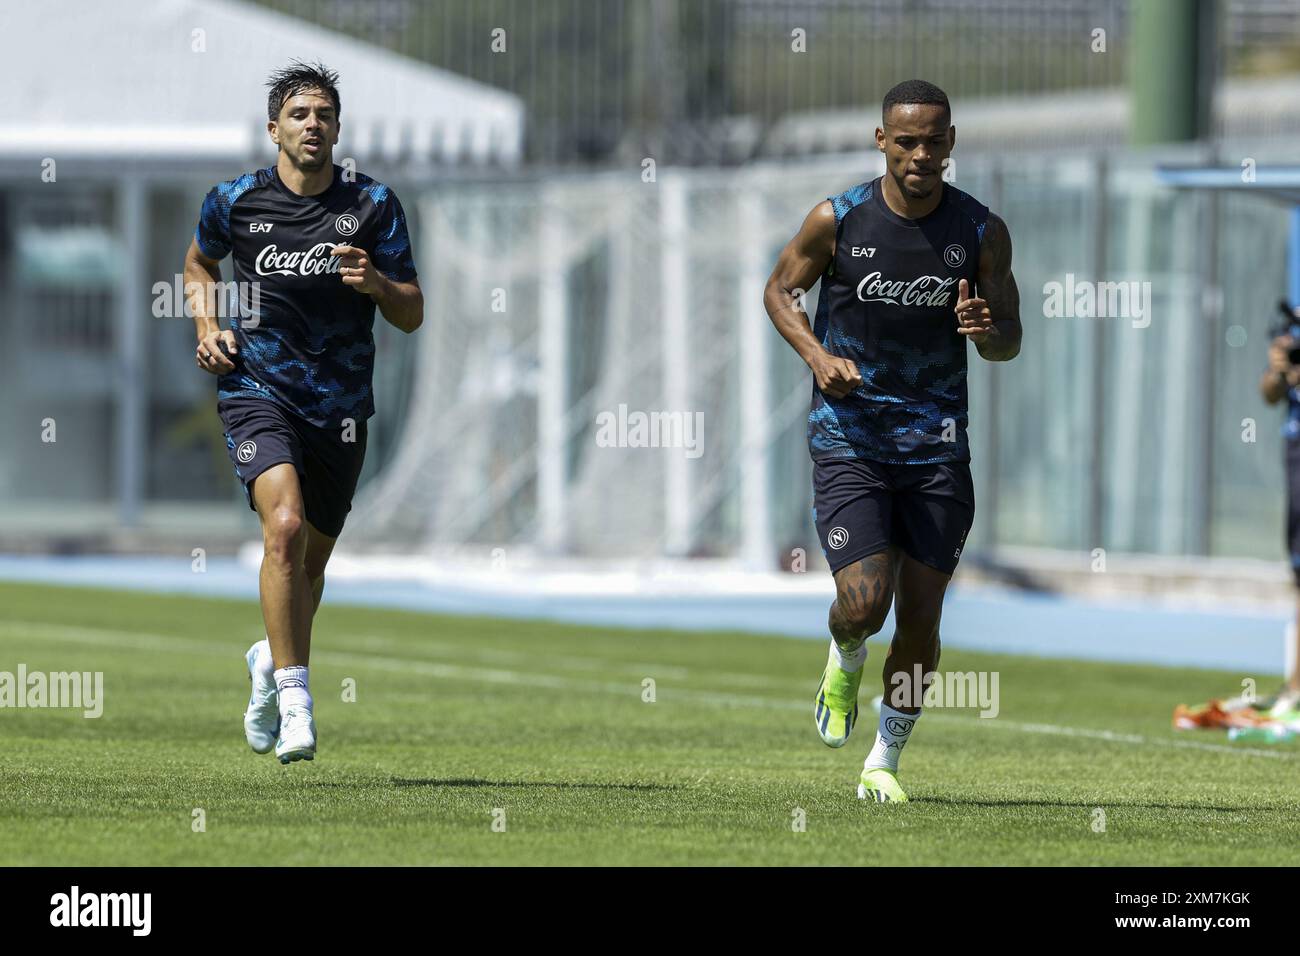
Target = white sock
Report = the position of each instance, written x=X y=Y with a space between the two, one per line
x=850 y=660
x=291 y=682
x=895 y=728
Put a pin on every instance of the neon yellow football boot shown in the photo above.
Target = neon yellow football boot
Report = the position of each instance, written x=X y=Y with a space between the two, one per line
x=837 y=703
x=880 y=786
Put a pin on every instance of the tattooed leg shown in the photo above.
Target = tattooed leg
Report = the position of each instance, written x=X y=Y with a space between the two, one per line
x=864 y=591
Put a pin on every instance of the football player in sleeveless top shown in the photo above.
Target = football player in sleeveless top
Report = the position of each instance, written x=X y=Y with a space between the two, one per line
x=911 y=269
x=314 y=249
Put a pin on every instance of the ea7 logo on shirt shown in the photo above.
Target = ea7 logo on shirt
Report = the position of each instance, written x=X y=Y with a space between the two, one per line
x=247 y=452
x=260 y=226
x=837 y=539
x=347 y=224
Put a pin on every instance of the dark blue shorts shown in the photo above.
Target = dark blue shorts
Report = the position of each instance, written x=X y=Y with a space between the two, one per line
x=861 y=507
x=261 y=433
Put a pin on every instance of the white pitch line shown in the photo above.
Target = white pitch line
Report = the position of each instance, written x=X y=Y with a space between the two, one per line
x=1114 y=737
x=162 y=642
x=458 y=651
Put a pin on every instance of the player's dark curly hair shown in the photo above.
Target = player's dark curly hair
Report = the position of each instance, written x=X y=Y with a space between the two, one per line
x=915 y=91
x=297 y=78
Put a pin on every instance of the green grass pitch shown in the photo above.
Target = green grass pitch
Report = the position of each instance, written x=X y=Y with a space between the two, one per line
x=462 y=725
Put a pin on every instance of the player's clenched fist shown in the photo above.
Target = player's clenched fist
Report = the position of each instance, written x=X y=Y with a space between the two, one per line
x=973 y=317
x=210 y=355
x=835 y=376
x=357 y=270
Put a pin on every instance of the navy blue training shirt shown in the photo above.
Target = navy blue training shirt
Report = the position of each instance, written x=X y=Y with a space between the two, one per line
x=887 y=303
x=306 y=340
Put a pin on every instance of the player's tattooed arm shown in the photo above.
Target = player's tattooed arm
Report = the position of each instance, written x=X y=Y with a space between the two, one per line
x=400 y=303
x=802 y=262
x=992 y=320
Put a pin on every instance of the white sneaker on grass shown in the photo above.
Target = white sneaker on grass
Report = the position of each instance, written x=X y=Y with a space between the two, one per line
x=262 y=718
x=297 y=735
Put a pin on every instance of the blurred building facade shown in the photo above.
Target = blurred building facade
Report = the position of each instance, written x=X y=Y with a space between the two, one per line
x=102 y=173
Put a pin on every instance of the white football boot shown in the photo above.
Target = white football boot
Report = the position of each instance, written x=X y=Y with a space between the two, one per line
x=297 y=735
x=262 y=718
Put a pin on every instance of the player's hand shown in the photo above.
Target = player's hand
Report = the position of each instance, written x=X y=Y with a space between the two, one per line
x=836 y=376
x=973 y=318
x=1279 y=362
x=209 y=354
x=357 y=270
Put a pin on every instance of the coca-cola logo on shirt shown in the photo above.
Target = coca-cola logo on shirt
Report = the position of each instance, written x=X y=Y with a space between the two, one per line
x=921 y=291
x=316 y=261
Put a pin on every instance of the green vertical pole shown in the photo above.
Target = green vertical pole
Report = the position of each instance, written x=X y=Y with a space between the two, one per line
x=1170 y=69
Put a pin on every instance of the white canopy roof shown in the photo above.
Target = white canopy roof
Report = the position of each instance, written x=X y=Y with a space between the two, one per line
x=185 y=79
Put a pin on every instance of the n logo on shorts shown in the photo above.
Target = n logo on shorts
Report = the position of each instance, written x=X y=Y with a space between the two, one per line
x=247 y=451
x=837 y=539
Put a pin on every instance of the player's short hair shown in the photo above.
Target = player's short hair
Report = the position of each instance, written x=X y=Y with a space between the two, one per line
x=914 y=92
x=299 y=77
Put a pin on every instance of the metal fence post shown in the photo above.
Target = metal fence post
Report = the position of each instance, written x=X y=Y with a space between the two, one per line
x=676 y=355
x=133 y=386
x=552 y=394
x=755 y=329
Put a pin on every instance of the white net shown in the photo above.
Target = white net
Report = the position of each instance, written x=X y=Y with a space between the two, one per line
x=571 y=323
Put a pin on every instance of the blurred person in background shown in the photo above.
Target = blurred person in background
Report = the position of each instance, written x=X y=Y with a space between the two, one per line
x=1282 y=380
